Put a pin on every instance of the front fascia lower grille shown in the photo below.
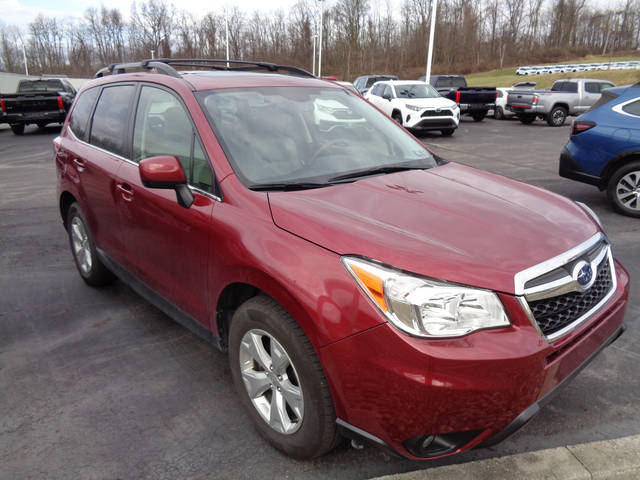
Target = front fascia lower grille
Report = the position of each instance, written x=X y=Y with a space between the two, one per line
x=558 y=305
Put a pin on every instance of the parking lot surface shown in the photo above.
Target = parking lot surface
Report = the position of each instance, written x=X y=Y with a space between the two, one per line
x=100 y=384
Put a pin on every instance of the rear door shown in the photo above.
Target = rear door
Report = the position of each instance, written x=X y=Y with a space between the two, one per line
x=168 y=244
x=590 y=96
x=95 y=152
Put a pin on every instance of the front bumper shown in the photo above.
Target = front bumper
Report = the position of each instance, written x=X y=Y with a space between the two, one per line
x=416 y=121
x=391 y=388
x=569 y=168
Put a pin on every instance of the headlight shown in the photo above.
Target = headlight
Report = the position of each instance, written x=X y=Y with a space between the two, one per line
x=591 y=213
x=413 y=107
x=425 y=307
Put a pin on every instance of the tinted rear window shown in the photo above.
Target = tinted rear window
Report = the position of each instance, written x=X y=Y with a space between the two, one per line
x=81 y=112
x=571 y=87
x=108 y=129
x=451 y=82
x=40 y=85
x=632 y=108
x=606 y=97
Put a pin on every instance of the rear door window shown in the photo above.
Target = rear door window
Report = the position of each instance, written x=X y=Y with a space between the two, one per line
x=592 y=87
x=82 y=111
x=110 y=119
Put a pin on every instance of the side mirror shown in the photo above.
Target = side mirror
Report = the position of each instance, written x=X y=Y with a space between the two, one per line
x=165 y=171
x=386 y=96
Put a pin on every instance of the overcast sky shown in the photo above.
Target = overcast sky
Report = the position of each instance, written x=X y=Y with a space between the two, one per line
x=21 y=12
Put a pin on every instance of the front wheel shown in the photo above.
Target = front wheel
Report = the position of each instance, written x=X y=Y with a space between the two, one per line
x=623 y=190
x=447 y=132
x=478 y=117
x=17 y=128
x=91 y=269
x=527 y=119
x=498 y=113
x=397 y=116
x=557 y=116
x=280 y=380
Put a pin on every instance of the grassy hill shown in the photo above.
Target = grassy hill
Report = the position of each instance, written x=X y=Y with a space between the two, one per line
x=507 y=77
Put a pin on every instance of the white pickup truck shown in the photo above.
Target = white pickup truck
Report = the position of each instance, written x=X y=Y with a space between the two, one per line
x=571 y=96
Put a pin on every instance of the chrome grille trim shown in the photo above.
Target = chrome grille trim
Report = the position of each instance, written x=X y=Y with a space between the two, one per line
x=565 y=284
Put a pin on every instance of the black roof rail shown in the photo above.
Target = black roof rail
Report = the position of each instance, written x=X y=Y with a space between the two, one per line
x=165 y=66
x=116 y=68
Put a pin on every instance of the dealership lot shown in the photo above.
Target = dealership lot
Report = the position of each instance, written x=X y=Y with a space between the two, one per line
x=99 y=384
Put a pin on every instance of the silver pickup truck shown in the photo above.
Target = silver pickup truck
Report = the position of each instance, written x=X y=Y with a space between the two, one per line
x=571 y=96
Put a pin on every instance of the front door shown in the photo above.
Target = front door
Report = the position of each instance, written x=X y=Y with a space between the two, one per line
x=168 y=244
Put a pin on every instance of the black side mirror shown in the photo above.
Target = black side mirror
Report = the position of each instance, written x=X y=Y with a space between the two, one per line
x=386 y=96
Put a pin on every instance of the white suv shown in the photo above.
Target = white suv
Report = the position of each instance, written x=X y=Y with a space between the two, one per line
x=415 y=105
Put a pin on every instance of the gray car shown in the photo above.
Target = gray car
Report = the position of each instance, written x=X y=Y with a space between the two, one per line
x=571 y=96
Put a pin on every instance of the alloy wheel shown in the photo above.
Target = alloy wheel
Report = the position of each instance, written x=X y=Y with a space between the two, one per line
x=271 y=381
x=81 y=245
x=628 y=191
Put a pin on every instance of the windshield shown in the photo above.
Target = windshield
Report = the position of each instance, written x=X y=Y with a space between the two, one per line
x=410 y=90
x=41 y=86
x=300 y=134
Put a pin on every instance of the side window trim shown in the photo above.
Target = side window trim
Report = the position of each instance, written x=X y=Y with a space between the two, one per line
x=194 y=137
x=620 y=108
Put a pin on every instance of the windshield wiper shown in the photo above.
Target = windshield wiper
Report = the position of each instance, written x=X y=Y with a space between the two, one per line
x=286 y=186
x=373 y=171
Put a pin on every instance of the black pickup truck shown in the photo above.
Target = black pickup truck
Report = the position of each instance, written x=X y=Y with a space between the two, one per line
x=37 y=101
x=473 y=101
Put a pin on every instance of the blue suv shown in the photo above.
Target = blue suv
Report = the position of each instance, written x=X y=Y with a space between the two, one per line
x=604 y=148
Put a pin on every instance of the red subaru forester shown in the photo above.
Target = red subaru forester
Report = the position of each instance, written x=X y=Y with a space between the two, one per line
x=362 y=285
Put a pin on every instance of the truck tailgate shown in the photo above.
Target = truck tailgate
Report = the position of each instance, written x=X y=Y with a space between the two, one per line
x=479 y=95
x=27 y=103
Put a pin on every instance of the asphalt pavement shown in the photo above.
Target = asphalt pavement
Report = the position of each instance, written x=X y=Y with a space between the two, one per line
x=97 y=383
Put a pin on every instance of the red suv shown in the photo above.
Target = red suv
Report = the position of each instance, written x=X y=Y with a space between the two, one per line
x=362 y=285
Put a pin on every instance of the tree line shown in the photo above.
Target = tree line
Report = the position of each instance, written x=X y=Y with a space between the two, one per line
x=359 y=36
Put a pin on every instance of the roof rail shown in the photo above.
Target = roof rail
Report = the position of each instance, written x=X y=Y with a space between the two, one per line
x=165 y=66
x=116 y=68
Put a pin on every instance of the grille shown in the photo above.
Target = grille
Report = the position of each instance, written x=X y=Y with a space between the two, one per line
x=433 y=113
x=555 y=313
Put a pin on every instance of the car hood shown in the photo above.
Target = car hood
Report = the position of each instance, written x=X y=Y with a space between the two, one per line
x=451 y=222
x=438 y=102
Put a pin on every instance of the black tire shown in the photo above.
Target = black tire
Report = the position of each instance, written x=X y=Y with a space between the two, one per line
x=557 y=116
x=447 y=132
x=498 y=113
x=397 y=116
x=616 y=190
x=17 y=128
x=96 y=275
x=478 y=117
x=527 y=119
x=317 y=434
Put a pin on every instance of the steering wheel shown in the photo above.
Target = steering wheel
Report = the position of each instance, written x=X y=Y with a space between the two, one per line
x=323 y=149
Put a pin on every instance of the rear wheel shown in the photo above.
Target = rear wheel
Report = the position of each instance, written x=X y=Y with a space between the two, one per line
x=498 y=113
x=397 y=116
x=17 y=128
x=623 y=190
x=447 y=132
x=557 y=116
x=478 y=117
x=280 y=380
x=527 y=119
x=91 y=269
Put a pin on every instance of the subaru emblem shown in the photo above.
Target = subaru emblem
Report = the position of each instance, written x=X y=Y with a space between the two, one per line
x=583 y=274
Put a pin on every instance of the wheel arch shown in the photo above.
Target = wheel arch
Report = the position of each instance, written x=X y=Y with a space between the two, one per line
x=66 y=200
x=614 y=164
x=560 y=104
x=245 y=284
